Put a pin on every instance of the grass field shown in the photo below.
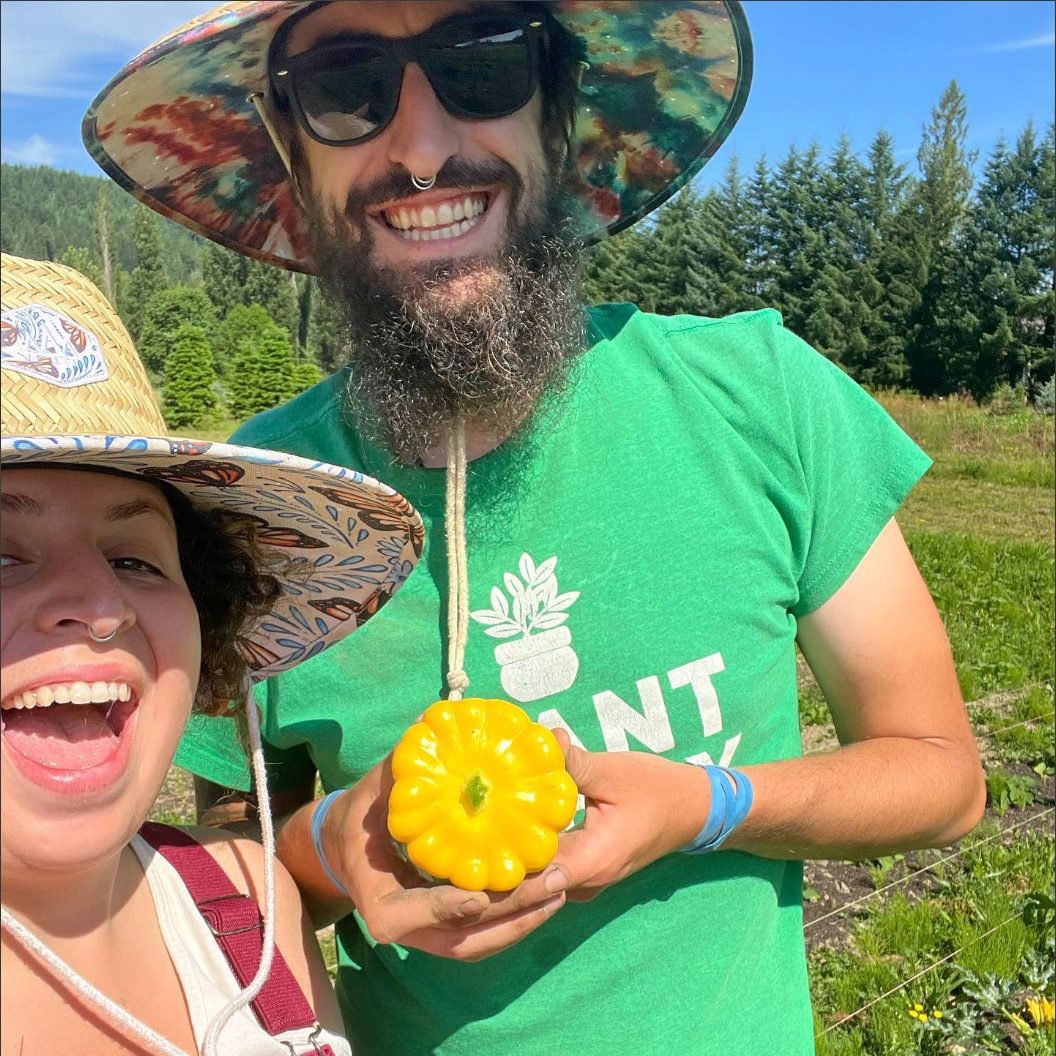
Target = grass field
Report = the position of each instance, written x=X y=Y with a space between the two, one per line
x=947 y=952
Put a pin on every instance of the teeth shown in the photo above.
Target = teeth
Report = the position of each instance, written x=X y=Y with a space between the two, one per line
x=71 y=693
x=453 y=230
x=445 y=215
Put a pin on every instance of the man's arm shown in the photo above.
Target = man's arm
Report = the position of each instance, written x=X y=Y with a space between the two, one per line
x=907 y=775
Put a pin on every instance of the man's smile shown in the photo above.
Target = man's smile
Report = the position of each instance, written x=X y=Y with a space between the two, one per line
x=448 y=215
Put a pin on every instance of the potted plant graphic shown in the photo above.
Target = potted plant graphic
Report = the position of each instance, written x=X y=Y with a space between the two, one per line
x=541 y=662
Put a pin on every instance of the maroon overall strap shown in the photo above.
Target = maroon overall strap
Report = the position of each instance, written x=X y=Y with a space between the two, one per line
x=237 y=925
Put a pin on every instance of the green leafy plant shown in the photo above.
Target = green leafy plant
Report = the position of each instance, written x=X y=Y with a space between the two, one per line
x=1005 y=790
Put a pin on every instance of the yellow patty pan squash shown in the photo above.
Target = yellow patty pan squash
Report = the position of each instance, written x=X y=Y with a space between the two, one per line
x=480 y=794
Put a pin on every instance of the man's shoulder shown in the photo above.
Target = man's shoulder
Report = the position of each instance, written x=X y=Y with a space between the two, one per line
x=628 y=324
x=729 y=350
x=316 y=408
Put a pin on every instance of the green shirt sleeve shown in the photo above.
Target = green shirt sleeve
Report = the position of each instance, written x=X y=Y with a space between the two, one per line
x=857 y=467
x=823 y=451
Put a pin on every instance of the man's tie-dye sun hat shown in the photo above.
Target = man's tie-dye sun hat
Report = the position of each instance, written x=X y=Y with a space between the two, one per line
x=662 y=84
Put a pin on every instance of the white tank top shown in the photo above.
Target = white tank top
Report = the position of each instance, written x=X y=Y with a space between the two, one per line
x=207 y=980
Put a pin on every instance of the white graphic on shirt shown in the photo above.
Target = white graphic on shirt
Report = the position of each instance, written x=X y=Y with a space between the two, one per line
x=652 y=727
x=541 y=662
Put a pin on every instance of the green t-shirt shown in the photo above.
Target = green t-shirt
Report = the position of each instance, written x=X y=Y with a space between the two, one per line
x=636 y=569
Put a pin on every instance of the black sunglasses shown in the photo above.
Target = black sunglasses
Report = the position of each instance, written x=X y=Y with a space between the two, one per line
x=347 y=89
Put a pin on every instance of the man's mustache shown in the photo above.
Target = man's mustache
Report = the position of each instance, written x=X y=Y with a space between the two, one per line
x=457 y=173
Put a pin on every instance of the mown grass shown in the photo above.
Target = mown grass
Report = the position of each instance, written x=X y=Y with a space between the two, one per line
x=998 y=512
x=971 y=442
x=996 y=599
x=218 y=431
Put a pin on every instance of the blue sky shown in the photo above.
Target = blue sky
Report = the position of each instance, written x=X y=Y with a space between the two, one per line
x=822 y=68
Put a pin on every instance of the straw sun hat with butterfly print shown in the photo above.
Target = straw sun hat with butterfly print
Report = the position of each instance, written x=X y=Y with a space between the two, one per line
x=75 y=394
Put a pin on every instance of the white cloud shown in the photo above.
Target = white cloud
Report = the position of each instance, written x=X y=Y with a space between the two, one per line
x=1046 y=40
x=34 y=151
x=47 y=48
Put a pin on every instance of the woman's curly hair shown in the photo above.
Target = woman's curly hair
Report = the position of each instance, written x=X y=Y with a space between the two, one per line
x=232 y=580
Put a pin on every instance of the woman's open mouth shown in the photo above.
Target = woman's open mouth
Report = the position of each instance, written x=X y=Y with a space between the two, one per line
x=70 y=736
x=446 y=218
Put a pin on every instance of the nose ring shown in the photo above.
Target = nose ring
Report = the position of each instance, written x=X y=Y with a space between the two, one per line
x=105 y=638
x=423 y=185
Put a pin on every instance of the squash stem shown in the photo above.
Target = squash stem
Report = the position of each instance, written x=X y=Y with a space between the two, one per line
x=474 y=793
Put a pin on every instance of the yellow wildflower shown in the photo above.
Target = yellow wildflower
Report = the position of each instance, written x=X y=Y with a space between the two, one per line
x=1041 y=1009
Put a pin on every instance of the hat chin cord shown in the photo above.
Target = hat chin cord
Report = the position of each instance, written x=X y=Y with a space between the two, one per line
x=457 y=563
x=123 y=1019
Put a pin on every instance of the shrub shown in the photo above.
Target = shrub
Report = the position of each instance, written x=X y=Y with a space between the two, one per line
x=262 y=373
x=241 y=322
x=1044 y=402
x=188 y=394
x=1007 y=399
x=165 y=313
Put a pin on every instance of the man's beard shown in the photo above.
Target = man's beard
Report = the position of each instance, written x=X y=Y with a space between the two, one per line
x=421 y=352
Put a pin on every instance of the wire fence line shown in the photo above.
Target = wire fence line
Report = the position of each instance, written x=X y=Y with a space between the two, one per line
x=1014 y=726
x=947 y=858
x=917 y=975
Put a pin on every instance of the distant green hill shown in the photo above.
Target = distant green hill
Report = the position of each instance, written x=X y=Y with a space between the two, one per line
x=45 y=211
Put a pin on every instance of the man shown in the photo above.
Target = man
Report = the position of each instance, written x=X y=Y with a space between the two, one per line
x=656 y=511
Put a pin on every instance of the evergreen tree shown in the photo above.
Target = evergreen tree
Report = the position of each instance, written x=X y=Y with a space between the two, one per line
x=798 y=225
x=223 y=277
x=81 y=259
x=1005 y=304
x=941 y=204
x=678 y=248
x=232 y=279
x=104 y=227
x=241 y=322
x=608 y=272
x=304 y=375
x=327 y=334
x=836 y=303
x=730 y=229
x=759 y=237
x=187 y=394
x=165 y=313
x=261 y=375
x=892 y=265
x=148 y=277
x=276 y=290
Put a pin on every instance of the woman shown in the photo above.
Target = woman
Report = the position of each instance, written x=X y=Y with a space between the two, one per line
x=143 y=579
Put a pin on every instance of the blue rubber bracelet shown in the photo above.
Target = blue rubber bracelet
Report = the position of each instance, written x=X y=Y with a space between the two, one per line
x=317 y=837
x=731 y=799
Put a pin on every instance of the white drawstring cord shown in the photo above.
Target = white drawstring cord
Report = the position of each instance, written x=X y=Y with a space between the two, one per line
x=210 y=1047
x=113 y=1011
x=124 y=1019
x=457 y=563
